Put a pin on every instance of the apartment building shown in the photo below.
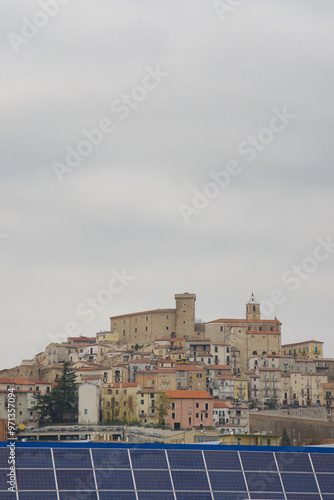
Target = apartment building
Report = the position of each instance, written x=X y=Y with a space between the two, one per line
x=190 y=409
x=304 y=350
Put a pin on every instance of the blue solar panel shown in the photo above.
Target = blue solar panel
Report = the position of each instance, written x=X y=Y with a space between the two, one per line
x=258 y=461
x=221 y=475
x=156 y=495
x=302 y=496
x=118 y=495
x=72 y=459
x=75 y=479
x=227 y=481
x=326 y=482
x=301 y=482
x=111 y=459
x=186 y=460
x=4 y=454
x=114 y=479
x=3 y=479
x=257 y=481
x=192 y=496
x=146 y=480
x=323 y=462
x=33 y=459
x=35 y=479
x=268 y=496
x=77 y=495
x=289 y=462
x=222 y=460
x=45 y=495
x=187 y=480
x=149 y=459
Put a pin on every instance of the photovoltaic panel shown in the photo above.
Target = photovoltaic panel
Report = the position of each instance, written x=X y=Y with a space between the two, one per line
x=231 y=496
x=188 y=480
x=45 y=495
x=156 y=495
x=117 y=495
x=183 y=460
x=3 y=479
x=114 y=479
x=326 y=482
x=288 y=462
x=257 y=481
x=149 y=459
x=72 y=459
x=193 y=496
x=4 y=454
x=111 y=459
x=301 y=482
x=146 y=480
x=75 y=479
x=268 y=496
x=33 y=459
x=323 y=462
x=147 y=472
x=263 y=461
x=302 y=496
x=78 y=495
x=222 y=460
x=227 y=481
x=35 y=479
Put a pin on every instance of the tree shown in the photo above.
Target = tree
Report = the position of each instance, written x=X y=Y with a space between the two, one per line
x=285 y=441
x=163 y=405
x=62 y=401
x=271 y=403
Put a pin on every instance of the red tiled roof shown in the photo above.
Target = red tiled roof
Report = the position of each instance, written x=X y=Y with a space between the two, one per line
x=189 y=394
x=142 y=360
x=225 y=377
x=188 y=368
x=262 y=332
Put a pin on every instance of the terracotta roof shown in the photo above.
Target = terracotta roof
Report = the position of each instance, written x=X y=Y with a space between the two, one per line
x=242 y=321
x=221 y=404
x=266 y=369
x=160 y=370
x=225 y=377
x=15 y=380
x=82 y=339
x=305 y=342
x=273 y=356
x=328 y=385
x=189 y=394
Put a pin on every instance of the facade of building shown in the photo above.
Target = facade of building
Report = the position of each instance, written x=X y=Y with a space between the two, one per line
x=119 y=402
x=304 y=350
x=190 y=377
x=90 y=393
x=251 y=336
x=146 y=326
x=190 y=409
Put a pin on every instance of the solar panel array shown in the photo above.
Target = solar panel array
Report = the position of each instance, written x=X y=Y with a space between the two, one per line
x=155 y=473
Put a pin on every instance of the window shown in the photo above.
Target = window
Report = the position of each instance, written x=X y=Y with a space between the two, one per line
x=125 y=391
x=142 y=402
x=146 y=318
x=196 y=415
x=173 y=406
x=227 y=349
x=167 y=317
x=221 y=329
x=135 y=330
x=216 y=349
x=197 y=405
x=173 y=416
x=85 y=411
x=146 y=329
x=206 y=406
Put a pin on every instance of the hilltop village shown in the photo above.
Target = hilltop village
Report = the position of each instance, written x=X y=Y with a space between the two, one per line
x=228 y=379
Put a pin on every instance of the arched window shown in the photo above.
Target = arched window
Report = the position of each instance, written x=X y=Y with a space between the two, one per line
x=264 y=352
x=254 y=353
x=273 y=353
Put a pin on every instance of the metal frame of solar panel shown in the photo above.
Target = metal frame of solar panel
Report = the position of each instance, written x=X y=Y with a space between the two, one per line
x=96 y=471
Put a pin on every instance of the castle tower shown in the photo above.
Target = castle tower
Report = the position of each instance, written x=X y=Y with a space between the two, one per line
x=185 y=314
x=253 y=309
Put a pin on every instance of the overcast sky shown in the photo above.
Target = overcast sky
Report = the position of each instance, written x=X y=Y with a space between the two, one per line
x=152 y=148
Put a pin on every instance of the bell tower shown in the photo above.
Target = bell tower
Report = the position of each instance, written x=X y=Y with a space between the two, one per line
x=253 y=308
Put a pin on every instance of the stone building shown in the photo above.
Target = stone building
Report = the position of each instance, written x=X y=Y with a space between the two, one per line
x=146 y=326
x=251 y=336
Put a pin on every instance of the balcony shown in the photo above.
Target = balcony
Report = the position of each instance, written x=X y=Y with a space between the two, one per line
x=142 y=415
